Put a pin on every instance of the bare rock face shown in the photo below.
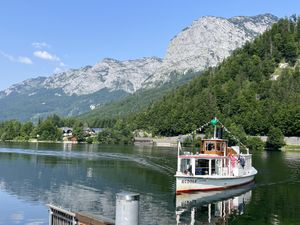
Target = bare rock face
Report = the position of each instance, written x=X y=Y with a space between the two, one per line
x=109 y=73
x=207 y=42
x=25 y=87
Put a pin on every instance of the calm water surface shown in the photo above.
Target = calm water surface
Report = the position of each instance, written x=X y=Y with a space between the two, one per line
x=86 y=178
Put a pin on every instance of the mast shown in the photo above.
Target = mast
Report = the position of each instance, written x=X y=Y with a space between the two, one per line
x=214 y=122
x=178 y=159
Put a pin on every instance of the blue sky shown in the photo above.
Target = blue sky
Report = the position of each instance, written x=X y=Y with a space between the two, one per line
x=38 y=37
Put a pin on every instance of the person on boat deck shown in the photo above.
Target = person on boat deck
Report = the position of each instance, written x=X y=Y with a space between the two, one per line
x=190 y=169
x=241 y=160
x=233 y=160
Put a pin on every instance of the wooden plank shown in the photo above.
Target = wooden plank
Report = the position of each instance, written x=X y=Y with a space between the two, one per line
x=84 y=219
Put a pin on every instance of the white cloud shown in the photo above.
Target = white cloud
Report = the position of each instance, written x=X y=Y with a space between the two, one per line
x=51 y=57
x=46 y=56
x=24 y=60
x=40 y=45
x=57 y=70
x=60 y=69
x=36 y=222
x=7 y=56
x=62 y=64
x=19 y=59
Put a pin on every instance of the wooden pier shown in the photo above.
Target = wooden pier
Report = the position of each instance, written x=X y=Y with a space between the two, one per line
x=59 y=216
x=127 y=213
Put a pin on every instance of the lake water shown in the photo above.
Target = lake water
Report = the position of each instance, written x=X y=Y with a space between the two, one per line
x=86 y=178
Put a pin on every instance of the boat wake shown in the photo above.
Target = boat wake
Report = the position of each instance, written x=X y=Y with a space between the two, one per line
x=290 y=181
x=141 y=160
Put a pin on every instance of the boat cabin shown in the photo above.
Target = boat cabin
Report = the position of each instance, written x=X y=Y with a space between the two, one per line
x=215 y=158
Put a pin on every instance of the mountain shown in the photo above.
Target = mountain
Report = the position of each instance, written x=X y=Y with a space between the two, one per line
x=207 y=42
x=203 y=44
x=133 y=103
x=75 y=91
x=254 y=90
x=109 y=73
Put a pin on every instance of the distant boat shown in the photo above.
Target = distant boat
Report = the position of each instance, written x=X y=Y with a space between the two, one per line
x=215 y=167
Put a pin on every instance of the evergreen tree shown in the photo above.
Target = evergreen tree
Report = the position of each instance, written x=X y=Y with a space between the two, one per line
x=78 y=131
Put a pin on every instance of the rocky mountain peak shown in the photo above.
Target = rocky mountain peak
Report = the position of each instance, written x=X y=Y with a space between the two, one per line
x=254 y=25
x=207 y=42
x=109 y=73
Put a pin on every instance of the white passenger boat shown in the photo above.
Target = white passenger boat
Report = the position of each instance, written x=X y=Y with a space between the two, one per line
x=215 y=167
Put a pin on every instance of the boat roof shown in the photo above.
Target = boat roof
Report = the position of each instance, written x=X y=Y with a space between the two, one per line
x=200 y=156
x=206 y=156
x=214 y=139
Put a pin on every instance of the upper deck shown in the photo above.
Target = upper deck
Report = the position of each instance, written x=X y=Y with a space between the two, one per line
x=217 y=146
x=213 y=146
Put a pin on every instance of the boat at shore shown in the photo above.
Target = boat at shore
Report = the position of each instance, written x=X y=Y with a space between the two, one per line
x=215 y=167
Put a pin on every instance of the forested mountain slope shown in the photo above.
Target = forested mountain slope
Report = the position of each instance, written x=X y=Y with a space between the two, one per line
x=134 y=103
x=258 y=87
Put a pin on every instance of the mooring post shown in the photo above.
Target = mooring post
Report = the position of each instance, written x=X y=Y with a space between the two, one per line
x=127 y=208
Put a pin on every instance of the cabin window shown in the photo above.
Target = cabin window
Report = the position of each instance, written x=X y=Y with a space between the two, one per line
x=224 y=147
x=213 y=166
x=219 y=146
x=202 y=167
x=185 y=165
x=218 y=166
x=210 y=146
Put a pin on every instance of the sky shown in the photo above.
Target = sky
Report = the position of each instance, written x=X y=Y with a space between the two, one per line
x=42 y=37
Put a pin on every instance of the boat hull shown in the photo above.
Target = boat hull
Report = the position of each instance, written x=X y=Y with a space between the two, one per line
x=210 y=183
x=204 y=197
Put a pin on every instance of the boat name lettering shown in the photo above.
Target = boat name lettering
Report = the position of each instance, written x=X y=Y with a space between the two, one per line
x=190 y=181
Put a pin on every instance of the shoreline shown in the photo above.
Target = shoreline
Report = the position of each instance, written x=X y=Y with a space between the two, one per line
x=159 y=142
x=45 y=141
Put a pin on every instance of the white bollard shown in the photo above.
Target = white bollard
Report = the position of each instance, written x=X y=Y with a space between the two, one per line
x=127 y=208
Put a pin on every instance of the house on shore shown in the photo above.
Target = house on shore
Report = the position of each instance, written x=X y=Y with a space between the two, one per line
x=67 y=131
x=92 y=131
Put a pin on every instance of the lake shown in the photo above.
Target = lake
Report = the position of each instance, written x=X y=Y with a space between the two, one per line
x=86 y=178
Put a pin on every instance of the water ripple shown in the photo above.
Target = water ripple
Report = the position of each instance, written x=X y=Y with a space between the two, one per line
x=93 y=156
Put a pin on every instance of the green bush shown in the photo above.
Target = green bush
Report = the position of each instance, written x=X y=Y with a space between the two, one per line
x=275 y=139
x=89 y=140
x=115 y=136
x=255 y=143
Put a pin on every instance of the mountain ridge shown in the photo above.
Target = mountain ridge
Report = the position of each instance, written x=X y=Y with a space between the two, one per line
x=253 y=91
x=211 y=40
x=199 y=46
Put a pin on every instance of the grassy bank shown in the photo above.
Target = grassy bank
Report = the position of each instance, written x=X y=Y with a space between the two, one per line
x=292 y=148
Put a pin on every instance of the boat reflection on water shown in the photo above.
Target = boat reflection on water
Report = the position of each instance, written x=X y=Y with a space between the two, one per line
x=212 y=207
